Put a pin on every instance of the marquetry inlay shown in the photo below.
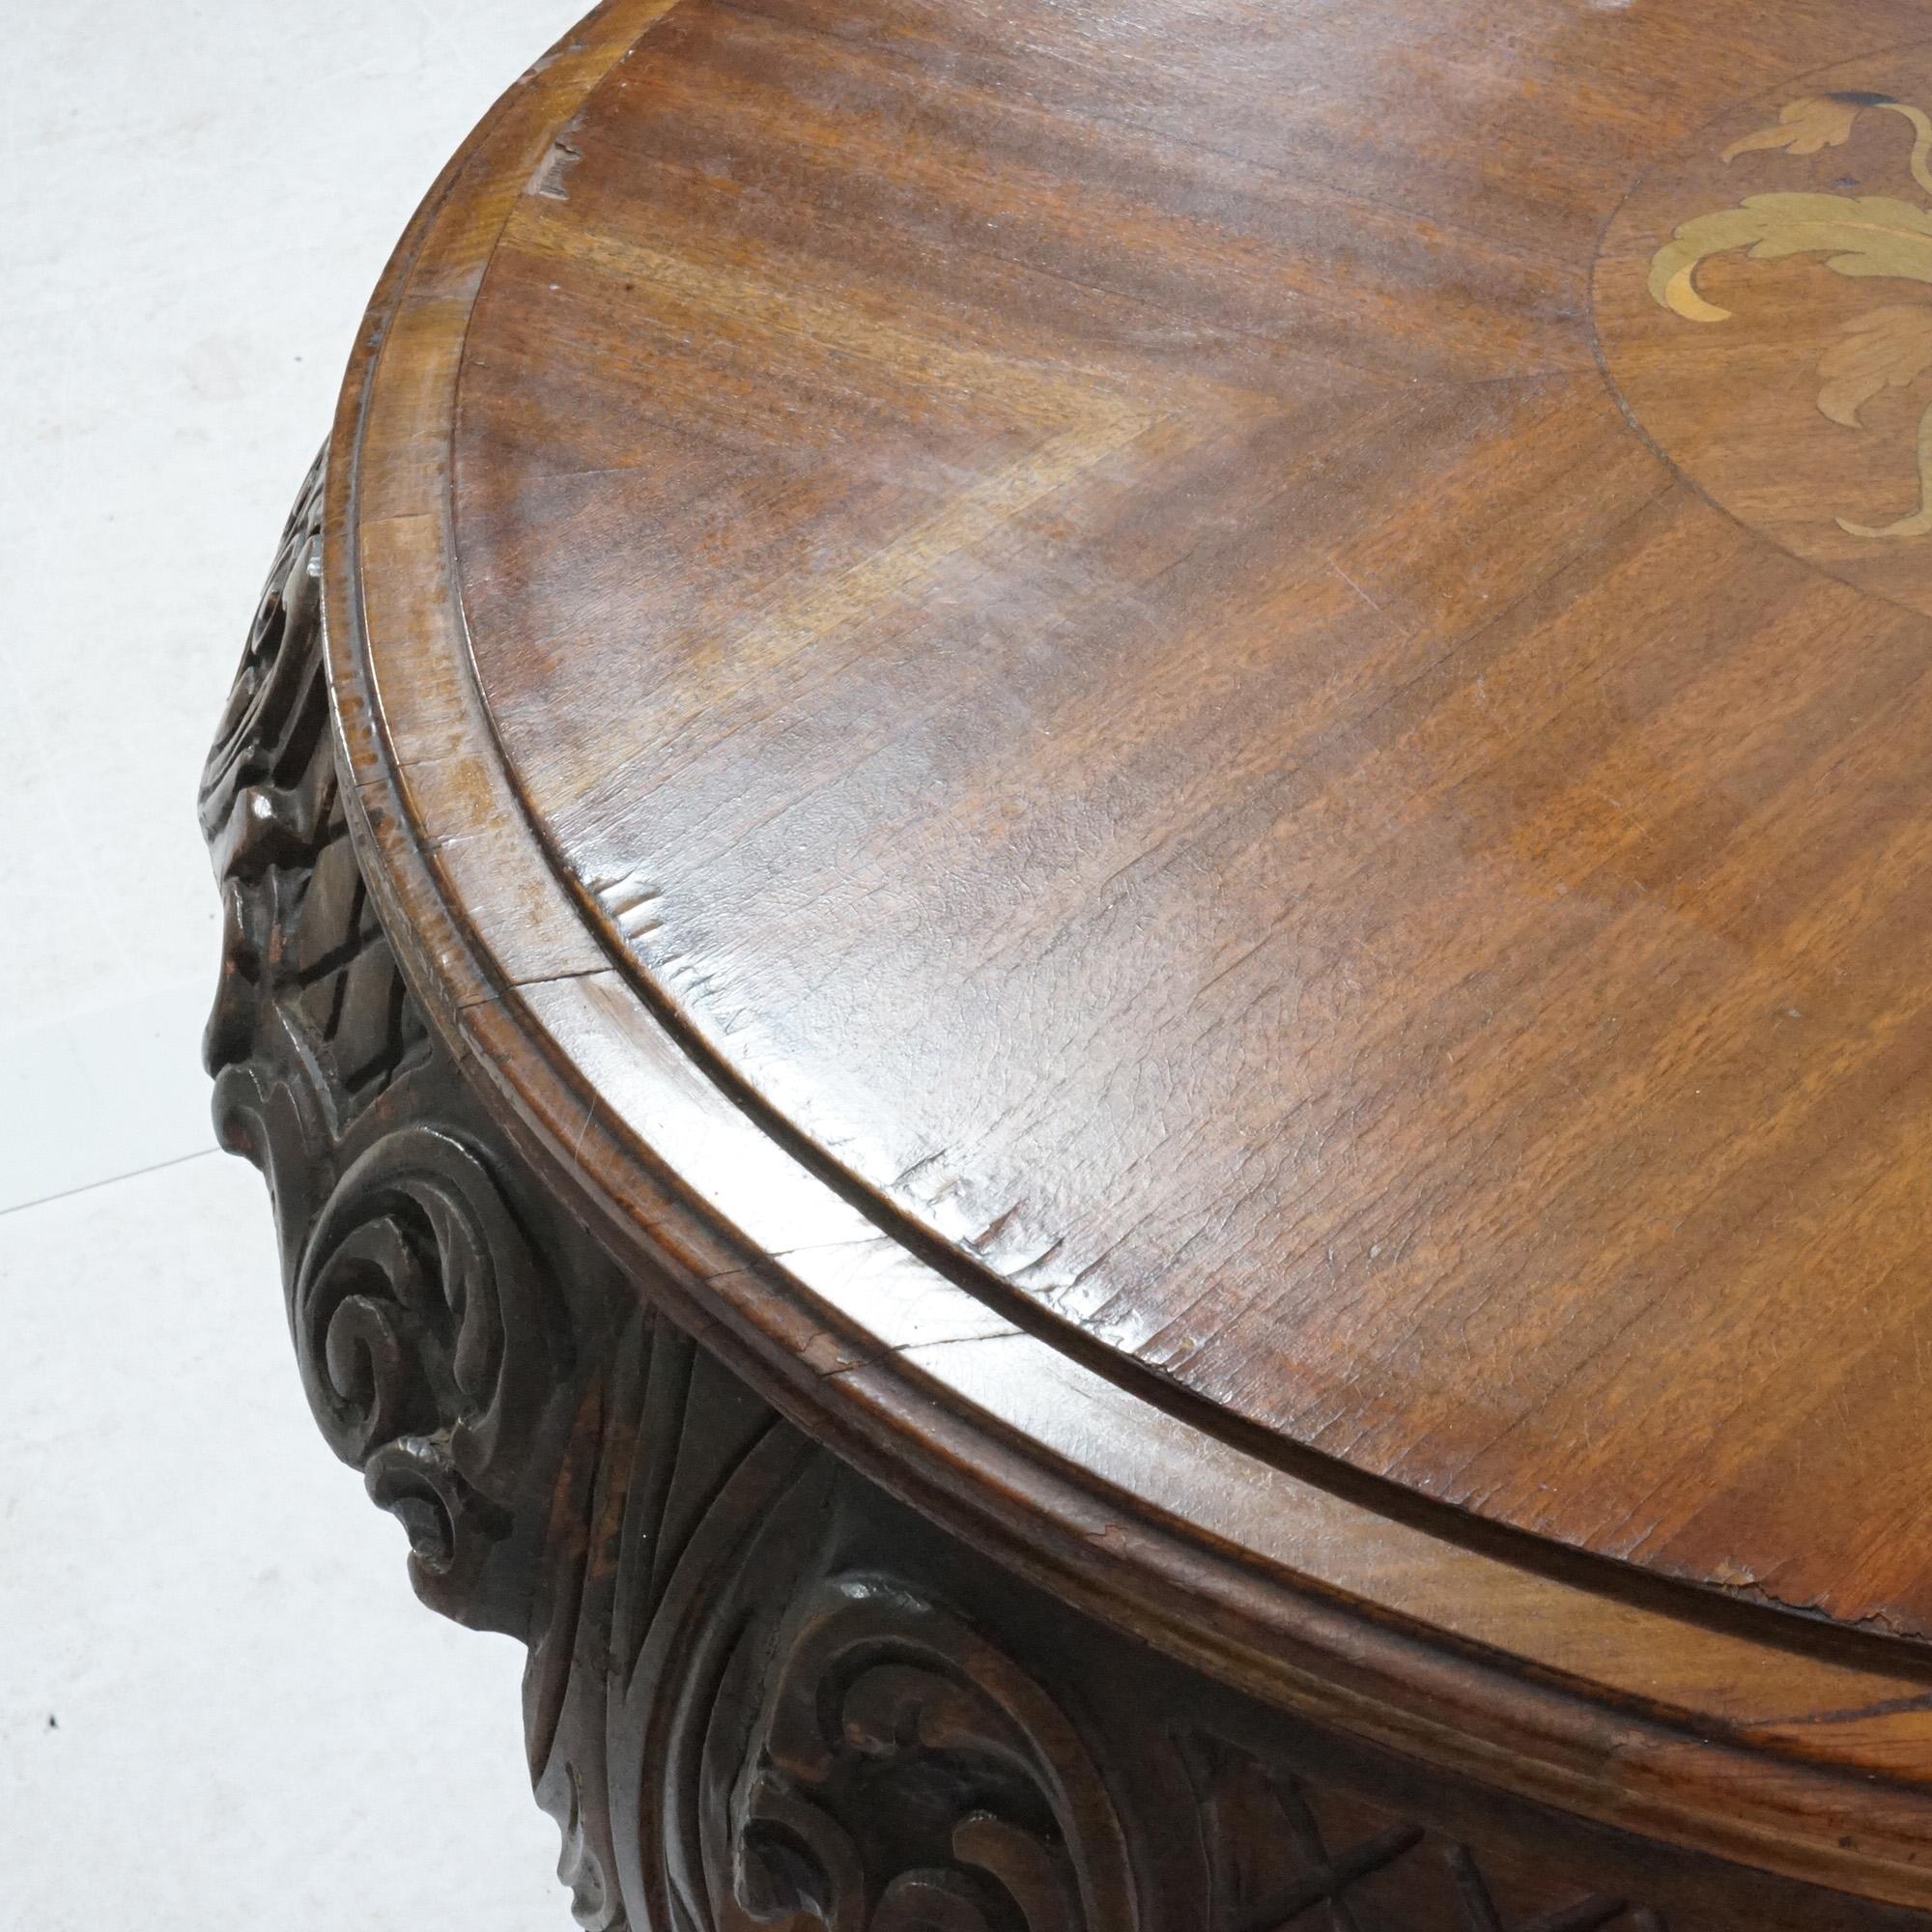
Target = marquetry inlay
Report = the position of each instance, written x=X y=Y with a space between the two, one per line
x=1764 y=304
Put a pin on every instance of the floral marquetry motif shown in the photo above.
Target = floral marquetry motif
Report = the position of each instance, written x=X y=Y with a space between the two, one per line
x=1076 y=876
x=1799 y=250
x=1868 y=236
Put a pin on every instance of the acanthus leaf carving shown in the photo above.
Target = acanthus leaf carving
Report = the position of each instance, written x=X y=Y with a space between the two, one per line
x=911 y=1778
x=761 y=1696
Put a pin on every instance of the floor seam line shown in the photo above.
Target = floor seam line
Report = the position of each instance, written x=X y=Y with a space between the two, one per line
x=108 y=1180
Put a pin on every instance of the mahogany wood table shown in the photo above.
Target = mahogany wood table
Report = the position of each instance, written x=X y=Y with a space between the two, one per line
x=1079 y=911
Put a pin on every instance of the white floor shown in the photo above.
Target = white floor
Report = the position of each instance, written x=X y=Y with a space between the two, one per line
x=220 y=1705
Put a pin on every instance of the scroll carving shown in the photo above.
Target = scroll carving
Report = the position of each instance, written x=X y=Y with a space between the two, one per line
x=430 y=1343
x=419 y=1323
x=761 y=1696
x=909 y=1776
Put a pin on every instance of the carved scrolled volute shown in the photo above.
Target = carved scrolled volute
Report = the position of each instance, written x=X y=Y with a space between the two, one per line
x=761 y=1696
x=420 y=1321
x=910 y=1777
x=432 y=1340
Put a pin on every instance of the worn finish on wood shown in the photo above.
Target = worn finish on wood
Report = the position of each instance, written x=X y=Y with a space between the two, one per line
x=1111 y=654
x=1172 y=757
x=759 y=1693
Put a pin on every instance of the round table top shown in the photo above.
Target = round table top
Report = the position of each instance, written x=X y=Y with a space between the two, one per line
x=1237 y=692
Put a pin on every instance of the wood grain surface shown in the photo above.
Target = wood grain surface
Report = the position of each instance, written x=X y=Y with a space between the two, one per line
x=1115 y=717
x=1068 y=584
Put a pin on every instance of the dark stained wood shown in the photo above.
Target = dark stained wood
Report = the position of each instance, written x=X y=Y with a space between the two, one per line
x=1175 y=756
